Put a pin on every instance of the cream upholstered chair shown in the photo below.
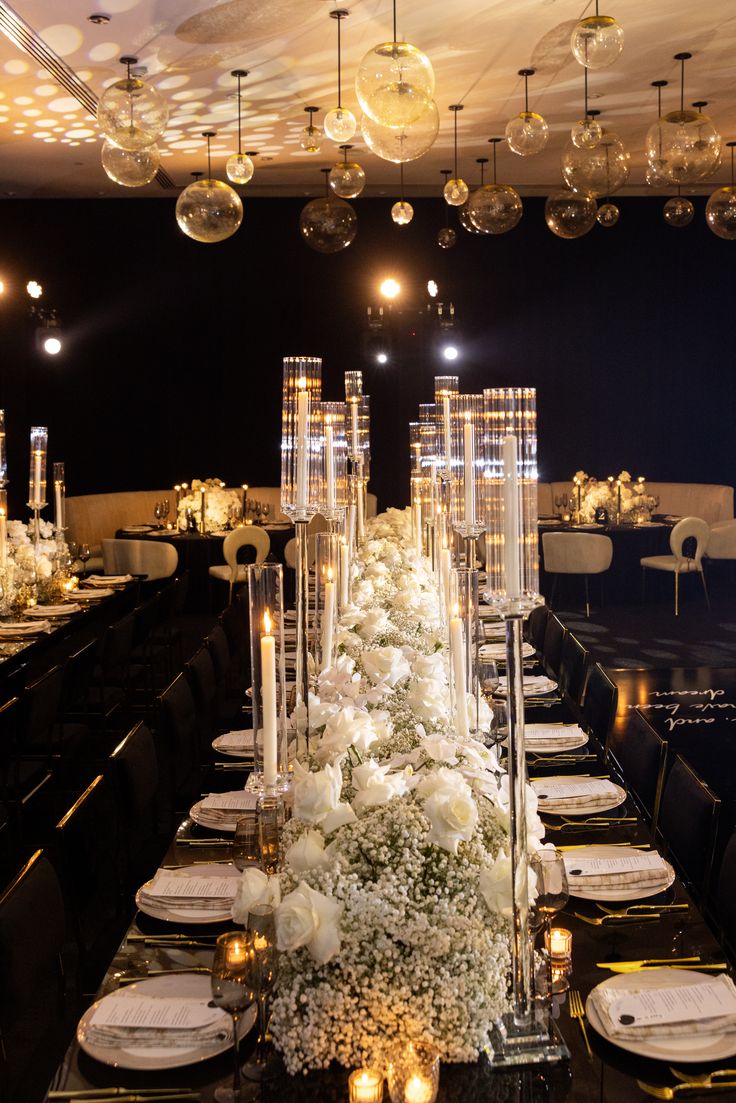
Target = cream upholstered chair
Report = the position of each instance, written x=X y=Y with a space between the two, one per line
x=290 y=552
x=248 y=536
x=722 y=541
x=678 y=563
x=154 y=559
x=582 y=553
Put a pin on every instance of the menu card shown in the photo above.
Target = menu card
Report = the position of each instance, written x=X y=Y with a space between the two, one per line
x=167 y=884
x=577 y=866
x=576 y=787
x=155 y=1012
x=713 y=998
x=239 y=801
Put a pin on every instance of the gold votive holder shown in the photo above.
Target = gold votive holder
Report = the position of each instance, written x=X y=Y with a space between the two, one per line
x=365 y=1086
x=560 y=945
x=413 y=1073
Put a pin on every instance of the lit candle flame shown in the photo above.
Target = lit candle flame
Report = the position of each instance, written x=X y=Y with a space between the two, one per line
x=456 y=610
x=329 y=574
x=301 y=384
x=267 y=623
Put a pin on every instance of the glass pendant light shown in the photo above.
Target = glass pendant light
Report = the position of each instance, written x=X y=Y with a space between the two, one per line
x=527 y=132
x=347 y=178
x=446 y=237
x=339 y=123
x=607 y=216
x=394 y=82
x=597 y=41
x=455 y=190
x=402 y=143
x=570 y=214
x=683 y=146
x=602 y=170
x=678 y=211
x=239 y=167
x=131 y=113
x=130 y=167
x=494 y=208
x=586 y=132
x=209 y=210
x=720 y=210
x=402 y=212
x=328 y=224
x=651 y=177
x=311 y=136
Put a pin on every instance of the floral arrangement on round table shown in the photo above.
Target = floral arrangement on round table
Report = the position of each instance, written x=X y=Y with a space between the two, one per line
x=623 y=495
x=33 y=572
x=218 y=504
x=393 y=905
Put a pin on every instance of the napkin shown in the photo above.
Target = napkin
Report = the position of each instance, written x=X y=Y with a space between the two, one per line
x=708 y=1007
x=150 y=1022
x=552 y=737
x=185 y=891
x=22 y=628
x=237 y=741
x=498 y=650
x=642 y=870
x=52 y=610
x=534 y=685
x=585 y=793
x=92 y=595
x=107 y=579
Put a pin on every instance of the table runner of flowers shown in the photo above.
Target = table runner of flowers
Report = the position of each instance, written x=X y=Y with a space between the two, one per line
x=623 y=496
x=393 y=905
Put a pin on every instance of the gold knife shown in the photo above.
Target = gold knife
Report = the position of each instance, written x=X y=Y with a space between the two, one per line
x=632 y=966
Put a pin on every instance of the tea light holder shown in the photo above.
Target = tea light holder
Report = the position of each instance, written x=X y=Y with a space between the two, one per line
x=413 y=1073
x=560 y=944
x=365 y=1086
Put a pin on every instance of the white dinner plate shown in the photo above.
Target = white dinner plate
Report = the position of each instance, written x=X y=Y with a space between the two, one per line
x=497 y=650
x=567 y=737
x=200 y=815
x=137 y=528
x=573 y=807
x=184 y=985
x=619 y=892
x=52 y=610
x=535 y=685
x=190 y=915
x=90 y=595
x=678 y=1048
x=244 y=742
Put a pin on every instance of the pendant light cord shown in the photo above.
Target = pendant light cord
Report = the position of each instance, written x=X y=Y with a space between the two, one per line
x=395 y=21
x=455 y=114
x=339 y=65
x=585 y=71
x=209 y=159
x=240 y=141
x=526 y=94
x=682 y=84
x=494 y=163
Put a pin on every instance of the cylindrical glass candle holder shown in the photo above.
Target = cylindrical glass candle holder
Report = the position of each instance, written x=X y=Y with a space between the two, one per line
x=467 y=464
x=3 y=451
x=302 y=385
x=365 y=1086
x=268 y=671
x=353 y=395
x=464 y=594
x=59 y=497
x=332 y=460
x=37 y=476
x=413 y=1073
x=3 y=529
x=326 y=593
x=445 y=386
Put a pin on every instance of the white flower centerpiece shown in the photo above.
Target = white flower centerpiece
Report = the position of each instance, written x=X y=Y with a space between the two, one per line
x=635 y=503
x=393 y=904
x=219 y=503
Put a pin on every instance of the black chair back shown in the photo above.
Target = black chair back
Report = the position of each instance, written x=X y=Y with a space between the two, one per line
x=135 y=772
x=219 y=650
x=40 y=707
x=200 y=673
x=177 y=746
x=600 y=703
x=573 y=668
x=725 y=897
x=536 y=626
x=688 y=822
x=554 y=637
x=639 y=755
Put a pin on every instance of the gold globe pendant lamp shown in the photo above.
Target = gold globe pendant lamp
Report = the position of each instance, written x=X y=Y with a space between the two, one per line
x=455 y=190
x=597 y=41
x=347 y=178
x=394 y=82
x=608 y=215
x=131 y=113
x=402 y=143
x=446 y=236
x=599 y=171
x=132 y=168
x=328 y=224
x=239 y=167
x=678 y=211
x=586 y=133
x=209 y=210
x=570 y=214
x=527 y=133
x=402 y=212
x=339 y=123
x=651 y=176
x=683 y=146
x=311 y=136
x=494 y=208
x=720 y=210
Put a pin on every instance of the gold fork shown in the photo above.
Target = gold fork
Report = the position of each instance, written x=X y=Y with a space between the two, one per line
x=660 y=1091
x=703 y=1077
x=644 y=908
x=577 y=1011
x=610 y=920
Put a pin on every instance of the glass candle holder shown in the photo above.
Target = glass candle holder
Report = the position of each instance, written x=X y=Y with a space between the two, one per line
x=37 y=475
x=365 y=1086
x=332 y=460
x=413 y=1073
x=444 y=387
x=3 y=451
x=268 y=669
x=59 y=497
x=326 y=593
x=302 y=384
x=353 y=396
x=560 y=944
x=467 y=464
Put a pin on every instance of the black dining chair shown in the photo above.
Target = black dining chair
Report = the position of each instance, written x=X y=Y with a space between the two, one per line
x=600 y=702
x=688 y=823
x=637 y=754
x=145 y=829
x=178 y=743
x=536 y=627
x=725 y=897
x=573 y=670
x=554 y=637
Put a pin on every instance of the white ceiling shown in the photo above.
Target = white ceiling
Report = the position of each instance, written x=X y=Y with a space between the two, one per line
x=49 y=144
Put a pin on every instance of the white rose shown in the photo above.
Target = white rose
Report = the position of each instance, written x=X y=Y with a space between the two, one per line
x=374 y=785
x=428 y=699
x=386 y=664
x=363 y=592
x=441 y=779
x=374 y=623
x=494 y=883
x=309 y=918
x=431 y=666
x=453 y=815
x=319 y=711
x=441 y=749
x=307 y=852
x=255 y=888
x=316 y=792
x=351 y=727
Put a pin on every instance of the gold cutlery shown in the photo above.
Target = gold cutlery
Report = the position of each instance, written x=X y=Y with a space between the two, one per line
x=160 y=973
x=111 y=1093
x=702 y=1077
x=135 y=1097
x=612 y=920
x=660 y=1091
x=584 y=846
x=203 y=842
x=644 y=907
x=635 y=966
x=168 y=938
x=196 y=862
x=577 y=1011
x=600 y=819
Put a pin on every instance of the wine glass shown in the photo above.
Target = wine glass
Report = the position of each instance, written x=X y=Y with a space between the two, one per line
x=233 y=988
x=165 y=510
x=265 y=1064
x=488 y=682
x=548 y=868
x=84 y=554
x=266 y=511
x=157 y=514
x=246 y=843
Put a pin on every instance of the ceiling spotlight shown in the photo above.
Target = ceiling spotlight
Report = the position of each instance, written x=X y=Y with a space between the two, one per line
x=48 y=336
x=34 y=289
x=2 y=287
x=432 y=289
x=450 y=352
x=381 y=358
x=390 y=288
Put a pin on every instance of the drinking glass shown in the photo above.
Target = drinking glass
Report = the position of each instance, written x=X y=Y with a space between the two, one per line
x=488 y=681
x=165 y=510
x=157 y=514
x=246 y=843
x=265 y=1064
x=233 y=988
x=553 y=893
x=84 y=554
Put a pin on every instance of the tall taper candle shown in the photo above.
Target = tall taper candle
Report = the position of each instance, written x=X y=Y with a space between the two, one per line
x=354 y=449
x=344 y=575
x=268 y=701
x=302 y=428
x=446 y=428
x=511 y=518
x=457 y=654
x=329 y=464
x=469 y=471
x=328 y=617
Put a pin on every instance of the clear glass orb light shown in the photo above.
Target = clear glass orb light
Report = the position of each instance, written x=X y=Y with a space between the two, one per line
x=720 y=213
x=209 y=211
x=339 y=124
x=130 y=167
x=239 y=168
x=463 y=217
x=683 y=147
x=132 y=114
x=402 y=213
x=653 y=179
x=328 y=224
x=607 y=215
x=527 y=133
x=597 y=41
x=402 y=143
x=570 y=214
x=586 y=133
x=347 y=179
x=446 y=237
x=456 y=192
x=495 y=208
x=678 y=211
x=394 y=83
x=311 y=139
x=598 y=171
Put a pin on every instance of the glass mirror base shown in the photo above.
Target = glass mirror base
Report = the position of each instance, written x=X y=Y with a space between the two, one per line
x=540 y=1043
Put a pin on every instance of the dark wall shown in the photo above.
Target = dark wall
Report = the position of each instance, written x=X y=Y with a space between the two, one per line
x=172 y=367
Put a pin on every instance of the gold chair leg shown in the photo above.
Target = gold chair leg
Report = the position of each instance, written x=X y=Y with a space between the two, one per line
x=705 y=588
x=677 y=593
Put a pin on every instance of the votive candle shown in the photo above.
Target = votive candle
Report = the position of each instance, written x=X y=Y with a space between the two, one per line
x=328 y=616
x=560 y=944
x=268 y=699
x=365 y=1086
x=418 y=1089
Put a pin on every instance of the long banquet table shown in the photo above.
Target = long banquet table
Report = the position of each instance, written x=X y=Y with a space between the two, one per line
x=610 y=1076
